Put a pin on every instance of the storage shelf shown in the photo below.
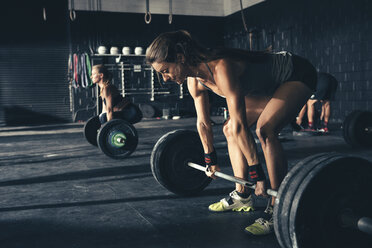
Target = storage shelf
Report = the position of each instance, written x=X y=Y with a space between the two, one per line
x=117 y=55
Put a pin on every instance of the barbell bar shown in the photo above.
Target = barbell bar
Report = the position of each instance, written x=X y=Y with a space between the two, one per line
x=310 y=202
x=232 y=179
x=347 y=218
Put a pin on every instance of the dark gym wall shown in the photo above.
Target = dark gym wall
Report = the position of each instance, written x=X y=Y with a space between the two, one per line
x=128 y=29
x=34 y=53
x=33 y=62
x=92 y=29
x=336 y=36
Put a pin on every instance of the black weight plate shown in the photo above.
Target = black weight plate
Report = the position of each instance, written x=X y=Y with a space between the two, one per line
x=285 y=197
x=337 y=184
x=114 y=127
x=90 y=130
x=357 y=129
x=147 y=110
x=346 y=131
x=169 y=159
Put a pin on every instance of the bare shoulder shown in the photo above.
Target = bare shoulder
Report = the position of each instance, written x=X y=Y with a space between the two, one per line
x=194 y=87
x=110 y=90
x=228 y=65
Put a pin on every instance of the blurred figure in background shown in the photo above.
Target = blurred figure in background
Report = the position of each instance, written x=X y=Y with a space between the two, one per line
x=114 y=106
x=325 y=93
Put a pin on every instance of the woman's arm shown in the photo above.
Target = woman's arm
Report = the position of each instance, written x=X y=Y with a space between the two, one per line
x=203 y=122
x=226 y=79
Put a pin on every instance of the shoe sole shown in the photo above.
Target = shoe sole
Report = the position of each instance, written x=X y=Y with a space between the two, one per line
x=241 y=209
x=257 y=235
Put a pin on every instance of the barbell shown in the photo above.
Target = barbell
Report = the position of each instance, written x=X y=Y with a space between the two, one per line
x=357 y=129
x=116 y=138
x=324 y=200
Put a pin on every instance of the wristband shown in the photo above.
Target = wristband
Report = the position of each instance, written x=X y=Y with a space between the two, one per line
x=256 y=173
x=210 y=158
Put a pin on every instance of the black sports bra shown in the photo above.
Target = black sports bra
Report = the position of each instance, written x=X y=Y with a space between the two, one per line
x=117 y=99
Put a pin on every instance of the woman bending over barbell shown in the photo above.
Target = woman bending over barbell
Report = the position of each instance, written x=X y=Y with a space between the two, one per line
x=113 y=104
x=265 y=88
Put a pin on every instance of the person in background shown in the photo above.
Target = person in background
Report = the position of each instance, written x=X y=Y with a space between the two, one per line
x=114 y=106
x=263 y=88
x=325 y=93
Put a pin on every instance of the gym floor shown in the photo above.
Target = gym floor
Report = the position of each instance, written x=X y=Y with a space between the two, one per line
x=59 y=191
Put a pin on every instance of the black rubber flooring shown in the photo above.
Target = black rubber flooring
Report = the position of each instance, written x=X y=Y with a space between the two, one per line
x=56 y=190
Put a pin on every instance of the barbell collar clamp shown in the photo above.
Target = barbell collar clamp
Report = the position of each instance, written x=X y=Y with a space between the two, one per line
x=232 y=179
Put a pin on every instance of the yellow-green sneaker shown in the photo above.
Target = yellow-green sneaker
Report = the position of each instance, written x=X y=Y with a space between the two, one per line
x=233 y=202
x=262 y=226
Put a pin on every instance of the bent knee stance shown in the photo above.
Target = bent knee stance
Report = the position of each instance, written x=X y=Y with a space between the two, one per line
x=131 y=114
x=265 y=134
x=227 y=131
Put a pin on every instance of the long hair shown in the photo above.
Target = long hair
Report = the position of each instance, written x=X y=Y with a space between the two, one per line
x=167 y=45
x=107 y=76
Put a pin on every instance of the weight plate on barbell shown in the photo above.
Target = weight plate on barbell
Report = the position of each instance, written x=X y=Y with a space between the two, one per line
x=357 y=129
x=90 y=130
x=117 y=139
x=148 y=111
x=296 y=182
x=169 y=159
x=326 y=191
x=284 y=198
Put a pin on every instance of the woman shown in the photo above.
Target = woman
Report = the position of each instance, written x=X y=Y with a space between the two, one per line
x=114 y=105
x=264 y=88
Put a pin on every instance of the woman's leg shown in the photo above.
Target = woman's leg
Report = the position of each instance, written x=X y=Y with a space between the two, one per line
x=240 y=200
x=254 y=107
x=131 y=114
x=311 y=112
x=301 y=115
x=280 y=110
x=327 y=110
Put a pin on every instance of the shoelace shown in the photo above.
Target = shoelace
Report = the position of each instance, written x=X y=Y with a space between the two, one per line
x=263 y=222
x=227 y=199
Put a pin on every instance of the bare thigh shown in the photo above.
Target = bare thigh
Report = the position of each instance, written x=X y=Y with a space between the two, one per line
x=254 y=105
x=284 y=105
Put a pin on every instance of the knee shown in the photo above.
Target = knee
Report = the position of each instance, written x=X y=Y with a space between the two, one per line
x=265 y=134
x=227 y=130
x=311 y=103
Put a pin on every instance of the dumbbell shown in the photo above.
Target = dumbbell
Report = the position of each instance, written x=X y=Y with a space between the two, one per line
x=116 y=138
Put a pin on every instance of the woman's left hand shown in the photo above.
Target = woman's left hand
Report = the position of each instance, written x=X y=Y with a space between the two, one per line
x=211 y=170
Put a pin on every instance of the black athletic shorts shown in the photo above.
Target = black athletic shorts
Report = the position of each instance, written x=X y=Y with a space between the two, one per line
x=326 y=87
x=303 y=71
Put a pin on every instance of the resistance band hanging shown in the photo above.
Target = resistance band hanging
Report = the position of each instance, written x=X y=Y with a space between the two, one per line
x=147 y=14
x=44 y=14
x=72 y=10
x=243 y=18
x=245 y=26
x=170 y=18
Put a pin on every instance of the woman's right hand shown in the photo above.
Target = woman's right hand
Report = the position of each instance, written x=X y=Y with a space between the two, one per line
x=209 y=171
x=260 y=189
